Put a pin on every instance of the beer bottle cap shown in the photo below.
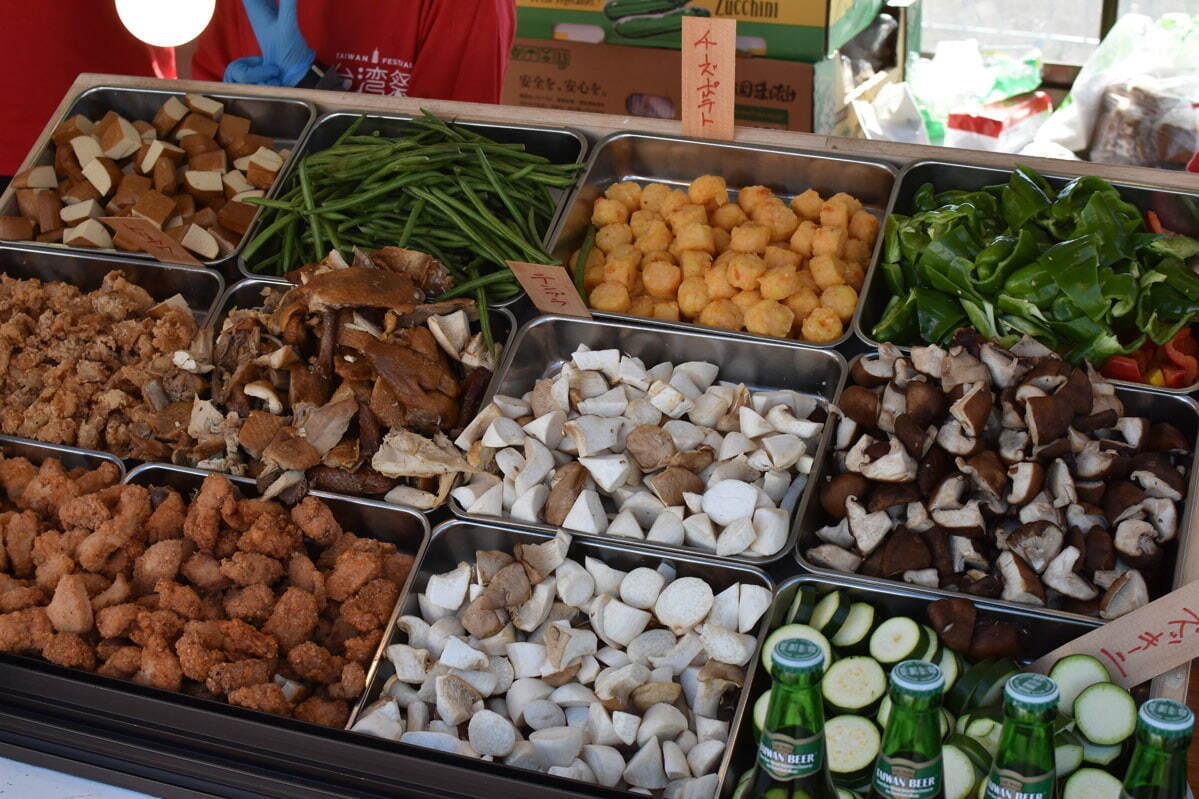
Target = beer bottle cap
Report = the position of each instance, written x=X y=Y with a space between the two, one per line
x=1031 y=691
x=917 y=678
x=797 y=655
x=1167 y=718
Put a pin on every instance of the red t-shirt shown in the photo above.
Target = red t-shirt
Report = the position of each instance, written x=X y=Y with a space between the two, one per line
x=443 y=49
x=45 y=46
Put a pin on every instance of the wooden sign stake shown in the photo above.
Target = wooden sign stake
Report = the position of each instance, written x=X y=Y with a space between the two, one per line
x=551 y=288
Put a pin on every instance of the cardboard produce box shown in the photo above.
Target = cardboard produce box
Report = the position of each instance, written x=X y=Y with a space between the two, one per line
x=791 y=30
x=645 y=82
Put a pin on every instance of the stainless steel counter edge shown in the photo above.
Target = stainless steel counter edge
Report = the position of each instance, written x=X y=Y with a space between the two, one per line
x=1190 y=502
x=146 y=472
x=652 y=547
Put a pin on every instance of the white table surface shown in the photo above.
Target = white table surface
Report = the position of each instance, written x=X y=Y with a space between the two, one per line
x=22 y=781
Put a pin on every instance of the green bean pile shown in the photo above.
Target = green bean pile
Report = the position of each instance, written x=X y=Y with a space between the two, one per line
x=471 y=202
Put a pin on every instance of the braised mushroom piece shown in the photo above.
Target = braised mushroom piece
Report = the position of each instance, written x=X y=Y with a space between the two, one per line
x=1002 y=473
x=349 y=381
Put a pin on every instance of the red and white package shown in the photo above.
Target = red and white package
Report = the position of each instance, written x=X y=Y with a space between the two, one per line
x=1005 y=126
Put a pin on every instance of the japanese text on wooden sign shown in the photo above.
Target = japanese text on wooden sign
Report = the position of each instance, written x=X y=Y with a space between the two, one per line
x=1143 y=644
x=709 y=62
x=550 y=288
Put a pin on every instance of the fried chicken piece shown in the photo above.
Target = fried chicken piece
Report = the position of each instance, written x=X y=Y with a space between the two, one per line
x=354 y=569
x=330 y=713
x=302 y=573
x=167 y=519
x=181 y=599
x=243 y=639
x=226 y=544
x=251 y=604
x=70 y=611
x=251 y=509
x=314 y=663
x=48 y=489
x=159 y=667
x=115 y=621
x=117 y=592
x=361 y=649
x=15 y=474
x=396 y=567
x=123 y=663
x=328 y=557
x=105 y=475
x=20 y=594
x=315 y=519
x=251 y=568
x=215 y=500
x=267 y=697
x=53 y=567
x=68 y=649
x=204 y=572
x=270 y=534
x=352 y=682
x=371 y=607
x=25 y=631
x=293 y=619
x=226 y=677
x=133 y=510
x=156 y=624
x=86 y=511
x=19 y=533
x=160 y=561
x=93 y=552
x=199 y=649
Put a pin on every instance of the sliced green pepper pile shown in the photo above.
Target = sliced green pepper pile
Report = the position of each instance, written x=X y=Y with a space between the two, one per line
x=443 y=189
x=1077 y=269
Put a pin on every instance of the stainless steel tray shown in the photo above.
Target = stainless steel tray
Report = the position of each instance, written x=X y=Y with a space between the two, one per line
x=248 y=294
x=71 y=457
x=947 y=175
x=1042 y=633
x=676 y=161
x=457 y=541
x=283 y=120
x=546 y=342
x=368 y=518
x=559 y=145
x=1179 y=410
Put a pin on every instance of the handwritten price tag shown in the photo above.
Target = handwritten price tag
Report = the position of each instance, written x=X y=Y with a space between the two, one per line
x=551 y=288
x=709 y=72
x=1143 y=644
x=149 y=238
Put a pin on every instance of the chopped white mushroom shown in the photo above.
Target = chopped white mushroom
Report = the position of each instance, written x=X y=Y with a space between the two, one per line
x=727 y=646
x=698 y=532
x=666 y=529
x=683 y=604
x=448 y=590
x=753 y=603
x=737 y=537
x=729 y=500
x=624 y=525
x=705 y=756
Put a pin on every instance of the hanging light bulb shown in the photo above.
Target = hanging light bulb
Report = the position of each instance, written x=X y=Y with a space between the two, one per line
x=165 y=23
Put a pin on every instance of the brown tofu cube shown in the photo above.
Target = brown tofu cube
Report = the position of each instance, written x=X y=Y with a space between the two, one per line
x=145 y=130
x=78 y=125
x=15 y=228
x=198 y=143
x=66 y=165
x=226 y=240
x=165 y=176
x=235 y=183
x=88 y=233
x=47 y=207
x=51 y=236
x=230 y=128
x=204 y=217
x=38 y=177
x=196 y=239
x=86 y=148
x=27 y=202
x=80 y=192
x=131 y=189
x=72 y=215
x=157 y=150
x=185 y=205
x=206 y=187
x=118 y=138
x=195 y=123
x=212 y=161
x=104 y=175
x=154 y=206
x=248 y=145
x=237 y=216
x=169 y=115
x=264 y=166
x=204 y=105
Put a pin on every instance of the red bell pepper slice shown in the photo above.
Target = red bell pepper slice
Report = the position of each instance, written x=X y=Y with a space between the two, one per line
x=1183 y=353
x=1153 y=222
x=1122 y=367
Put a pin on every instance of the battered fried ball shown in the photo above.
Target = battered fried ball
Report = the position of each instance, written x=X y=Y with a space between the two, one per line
x=722 y=313
x=822 y=326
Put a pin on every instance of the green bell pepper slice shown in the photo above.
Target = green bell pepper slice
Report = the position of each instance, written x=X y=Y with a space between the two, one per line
x=898 y=322
x=938 y=314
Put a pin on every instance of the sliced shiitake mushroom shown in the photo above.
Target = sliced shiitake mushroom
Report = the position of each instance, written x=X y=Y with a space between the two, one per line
x=1165 y=437
x=926 y=403
x=840 y=488
x=953 y=620
x=871 y=372
x=860 y=404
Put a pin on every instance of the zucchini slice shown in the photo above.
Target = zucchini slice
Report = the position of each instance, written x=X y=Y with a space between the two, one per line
x=957 y=697
x=800 y=611
x=795 y=631
x=852 y=744
x=990 y=688
x=951 y=667
x=1067 y=753
x=898 y=638
x=1105 y=713
x=1091 y=783
x=979 y=756
x=960 y=773
x=854 y=634
x=1100 y=754
x=986 y=730
x=853 y=685
x=933 y=653
x=761 y=705
x=947 y=722
x=1075 y=673
x=830 y=613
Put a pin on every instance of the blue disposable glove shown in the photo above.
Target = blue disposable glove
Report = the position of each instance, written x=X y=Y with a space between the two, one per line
x=285 y=57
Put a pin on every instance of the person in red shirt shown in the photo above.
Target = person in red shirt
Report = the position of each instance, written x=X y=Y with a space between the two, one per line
x=445 y=49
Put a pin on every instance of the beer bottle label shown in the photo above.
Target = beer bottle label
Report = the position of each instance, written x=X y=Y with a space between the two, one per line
x=785 y=758
x=1007 y=784
x=901 y=778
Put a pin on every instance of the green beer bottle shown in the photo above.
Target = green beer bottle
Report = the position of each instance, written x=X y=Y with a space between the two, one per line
x=1024 y=767
x=909 y=765
x=1159 y=763
x=791 y=758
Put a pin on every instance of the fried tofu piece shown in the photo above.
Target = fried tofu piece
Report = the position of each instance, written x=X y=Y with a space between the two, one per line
x=267 y=697
x=316 y=521
x=371 y=607
x=226 y=677
x=328 y=712
x=270 y=534
x=166 y=521
x=252 y=604
x=293 y=618
x=314 y=663
x=251 y=568
x=68 y=649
